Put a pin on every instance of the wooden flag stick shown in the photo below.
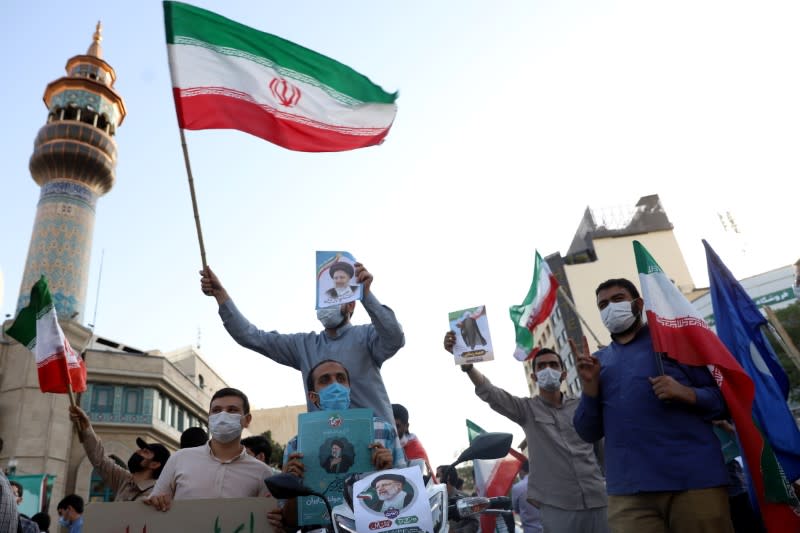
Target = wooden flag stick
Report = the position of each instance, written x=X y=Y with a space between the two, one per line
x=194 y=199
x=575 y=310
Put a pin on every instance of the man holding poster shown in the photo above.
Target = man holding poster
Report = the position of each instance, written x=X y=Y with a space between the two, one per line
x=361 y=349
x=329 y=390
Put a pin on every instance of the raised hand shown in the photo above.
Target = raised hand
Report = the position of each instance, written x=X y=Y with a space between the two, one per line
x=295 y=465
x=381 y=456
x=363 y=276
x=588 y=368
x=211 y=286
x=449 y=341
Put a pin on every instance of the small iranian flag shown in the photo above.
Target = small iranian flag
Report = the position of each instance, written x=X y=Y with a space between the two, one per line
x=493 y=477
x=535 y=309
x=36 y=326
x=679 y=331
x=226 y=75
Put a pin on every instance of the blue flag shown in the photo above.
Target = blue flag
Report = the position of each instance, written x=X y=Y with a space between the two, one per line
x=738 y=323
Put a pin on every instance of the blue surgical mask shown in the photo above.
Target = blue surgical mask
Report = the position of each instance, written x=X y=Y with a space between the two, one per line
x=334 y=397
x=63 y=522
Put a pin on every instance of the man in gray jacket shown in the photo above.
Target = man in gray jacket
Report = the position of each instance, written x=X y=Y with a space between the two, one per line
x=361 y=349
x=565 y=482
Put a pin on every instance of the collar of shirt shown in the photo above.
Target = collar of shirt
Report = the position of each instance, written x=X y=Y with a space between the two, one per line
x=340 y=331
x=215 y=458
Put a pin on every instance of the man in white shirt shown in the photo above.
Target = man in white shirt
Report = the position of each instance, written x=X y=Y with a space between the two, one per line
x=220 y=469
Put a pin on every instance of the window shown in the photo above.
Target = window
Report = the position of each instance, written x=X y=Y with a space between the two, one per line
x=103 y=399
x=132 y=401
x=181 y=419
x=201 y=381
x=98 y=490
x=173 y=414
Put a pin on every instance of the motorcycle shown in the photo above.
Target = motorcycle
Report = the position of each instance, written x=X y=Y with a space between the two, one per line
x=484 y=446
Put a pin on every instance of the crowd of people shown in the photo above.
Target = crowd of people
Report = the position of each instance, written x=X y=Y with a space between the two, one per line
x=635 y=452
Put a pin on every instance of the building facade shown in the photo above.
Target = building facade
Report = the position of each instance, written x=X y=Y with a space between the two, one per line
x=130 y=393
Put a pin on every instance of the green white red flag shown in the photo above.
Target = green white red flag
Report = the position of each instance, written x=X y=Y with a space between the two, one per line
x=226 y=75
x=535 y=309
x=678 y=330
x=493 y=477
x=36 y=327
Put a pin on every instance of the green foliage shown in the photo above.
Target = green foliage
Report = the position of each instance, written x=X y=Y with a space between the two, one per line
x=276 y=457
x=465 y=472
x=790 y=319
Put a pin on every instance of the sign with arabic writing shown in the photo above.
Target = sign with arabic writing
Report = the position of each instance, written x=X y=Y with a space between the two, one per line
x=233 y=515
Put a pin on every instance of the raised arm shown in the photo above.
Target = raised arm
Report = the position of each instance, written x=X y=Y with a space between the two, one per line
x=109 y=470
x=388 y=336
x=588 y=418
x=278 y=347
x=508 y=405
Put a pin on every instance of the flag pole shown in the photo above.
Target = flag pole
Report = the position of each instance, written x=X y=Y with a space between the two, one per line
x=780 y=332
x=563 y=293
x=194 y=199
x=71 y=395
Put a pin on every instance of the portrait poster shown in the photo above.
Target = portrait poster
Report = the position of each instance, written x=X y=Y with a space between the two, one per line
x=245 y=515
x=336 y=279
x=473 y=343
x=393 y=501
x=335 y=444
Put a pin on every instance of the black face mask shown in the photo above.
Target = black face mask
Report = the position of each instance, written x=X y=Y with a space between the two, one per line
x=135 y=463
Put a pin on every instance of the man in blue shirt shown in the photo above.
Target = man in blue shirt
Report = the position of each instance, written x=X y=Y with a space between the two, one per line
x=664 y=468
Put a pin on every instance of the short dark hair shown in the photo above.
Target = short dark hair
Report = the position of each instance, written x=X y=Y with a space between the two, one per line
x=619 y=282
x=310 y=377
x=193 y=437
x=400 y=413
x=230 y=391
x=71 y=500
x=545 y=351
x=42 y=520
x=451 y=475
x=258 y=444
x=16 y=484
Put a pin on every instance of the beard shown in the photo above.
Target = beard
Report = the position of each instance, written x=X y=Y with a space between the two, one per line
x=135 y=463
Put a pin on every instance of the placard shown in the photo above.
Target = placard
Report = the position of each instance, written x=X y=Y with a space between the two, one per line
x=392 y=500
x=473 y=343
x=335 y=444
x=223 y=515
x=336 y=279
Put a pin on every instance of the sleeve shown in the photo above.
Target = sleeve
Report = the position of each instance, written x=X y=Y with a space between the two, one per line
x=508 y=405
x=281 y=348
x=588 y=419
x=387 y=435
x=709 y=403
x=109 y=470
x=166 y=481
x=386 y=336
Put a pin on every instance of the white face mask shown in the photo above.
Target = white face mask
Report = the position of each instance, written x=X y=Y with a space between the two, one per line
x=548 y=379
x=225 y=427
x=618 y=316
x=330 y=316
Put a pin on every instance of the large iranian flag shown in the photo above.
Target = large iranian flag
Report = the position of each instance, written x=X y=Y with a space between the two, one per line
x=679 y=331
x=36 y=326
x=535 y=309
x=226 y=75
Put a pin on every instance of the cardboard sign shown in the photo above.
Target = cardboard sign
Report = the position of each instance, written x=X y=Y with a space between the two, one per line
x=392 y=501
x=473 y=343
x=335 y=444
x=336 y=280
x=232 y=515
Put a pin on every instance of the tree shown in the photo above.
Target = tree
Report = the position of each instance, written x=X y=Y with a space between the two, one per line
x=790 y=319
x=276 y=457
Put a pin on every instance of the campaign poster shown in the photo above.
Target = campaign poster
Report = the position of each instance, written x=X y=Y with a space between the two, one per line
x=336 y=279
x=335 y=444
x=392 y=500
x=473 y=343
